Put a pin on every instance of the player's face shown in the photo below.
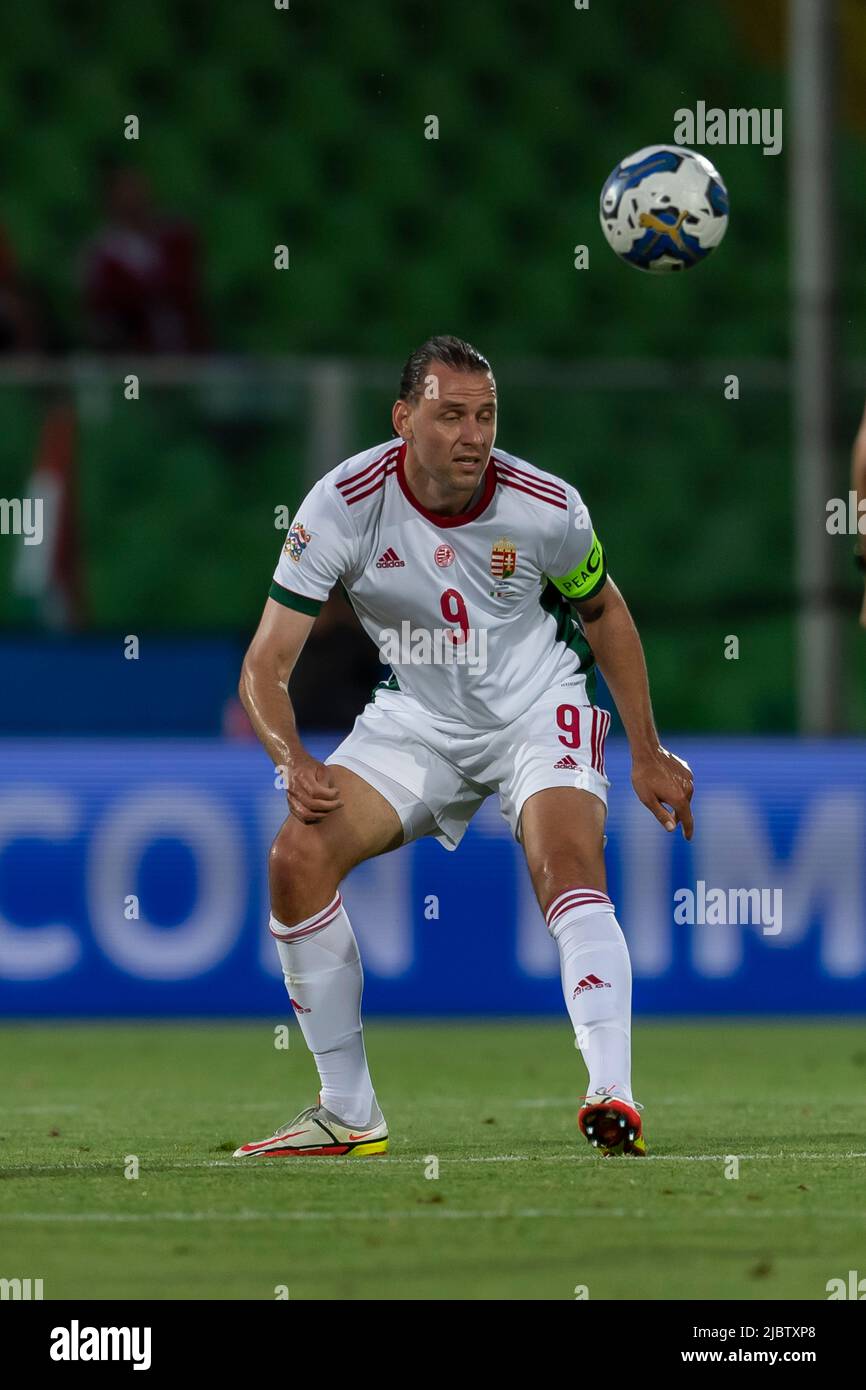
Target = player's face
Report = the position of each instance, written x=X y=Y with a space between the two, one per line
x=452 y=427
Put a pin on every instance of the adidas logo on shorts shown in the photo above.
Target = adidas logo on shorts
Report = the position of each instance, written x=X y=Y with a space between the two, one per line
x=390 y=560
x=567 y=762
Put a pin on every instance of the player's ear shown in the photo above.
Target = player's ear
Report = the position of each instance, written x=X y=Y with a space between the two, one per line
x=400 y=416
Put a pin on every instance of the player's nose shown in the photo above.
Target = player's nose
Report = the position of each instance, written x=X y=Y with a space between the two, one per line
x=473 y=437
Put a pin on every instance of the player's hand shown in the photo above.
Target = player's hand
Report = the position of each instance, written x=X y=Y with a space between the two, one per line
x=661 y=781
x=311 y=792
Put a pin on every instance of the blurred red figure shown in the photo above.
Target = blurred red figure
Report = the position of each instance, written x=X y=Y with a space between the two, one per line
x=20 y=320
x=142 y=275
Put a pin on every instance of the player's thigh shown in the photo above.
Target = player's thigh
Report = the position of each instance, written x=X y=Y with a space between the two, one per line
x=309 y=860
x=562 y=832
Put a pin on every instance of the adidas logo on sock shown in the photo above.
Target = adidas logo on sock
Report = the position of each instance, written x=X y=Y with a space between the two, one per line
x=390 y=560
x=590 y=982
x=568 y=762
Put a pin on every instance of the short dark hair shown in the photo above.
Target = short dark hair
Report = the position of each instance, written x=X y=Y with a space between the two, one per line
x=450 y=351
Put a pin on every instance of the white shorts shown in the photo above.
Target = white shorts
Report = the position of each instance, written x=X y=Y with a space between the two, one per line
x=436 y=772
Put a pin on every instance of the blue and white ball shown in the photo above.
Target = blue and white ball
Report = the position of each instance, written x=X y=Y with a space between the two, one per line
x=664 y=208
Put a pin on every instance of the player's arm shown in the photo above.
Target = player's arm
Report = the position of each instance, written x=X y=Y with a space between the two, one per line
x=858 y=483
x=318 y=551
x=660 y=779
x=578 y=568
x=264 y=693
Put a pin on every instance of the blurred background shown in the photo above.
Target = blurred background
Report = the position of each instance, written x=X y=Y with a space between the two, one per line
x=166 y=390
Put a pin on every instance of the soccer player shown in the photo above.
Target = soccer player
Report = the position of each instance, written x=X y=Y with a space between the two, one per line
x=482 y=579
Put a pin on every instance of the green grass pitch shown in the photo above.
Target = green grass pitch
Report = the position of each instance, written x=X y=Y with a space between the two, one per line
x=521 y=1209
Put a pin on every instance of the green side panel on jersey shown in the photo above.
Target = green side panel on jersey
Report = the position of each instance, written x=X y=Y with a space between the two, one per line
x=289 y=599
x=391 y=683
x=568 y=630
x=586 y=578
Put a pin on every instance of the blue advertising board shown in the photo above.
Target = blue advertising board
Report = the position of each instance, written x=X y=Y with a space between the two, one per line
x=133 y=882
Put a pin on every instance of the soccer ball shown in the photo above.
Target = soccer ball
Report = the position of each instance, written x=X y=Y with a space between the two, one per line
x=664 y=208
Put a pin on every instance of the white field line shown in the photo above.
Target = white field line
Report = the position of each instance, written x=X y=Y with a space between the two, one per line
x=42 y=1109
x=519 y=1214
x=384 y=1160
x=193 y=1216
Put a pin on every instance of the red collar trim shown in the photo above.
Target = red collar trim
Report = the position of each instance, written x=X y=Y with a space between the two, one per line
x=459 y=518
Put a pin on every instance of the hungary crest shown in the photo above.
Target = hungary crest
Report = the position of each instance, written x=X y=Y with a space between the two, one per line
x=503 y=558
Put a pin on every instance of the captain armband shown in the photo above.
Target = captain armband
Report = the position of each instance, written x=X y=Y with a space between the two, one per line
x=587 y=577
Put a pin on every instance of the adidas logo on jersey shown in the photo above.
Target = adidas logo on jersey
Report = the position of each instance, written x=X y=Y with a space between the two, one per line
x=390 y=560
x=567 y=762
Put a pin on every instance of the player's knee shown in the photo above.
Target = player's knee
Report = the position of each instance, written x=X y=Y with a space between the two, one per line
x=573 y=867
x=588 y=871
x=298 y=865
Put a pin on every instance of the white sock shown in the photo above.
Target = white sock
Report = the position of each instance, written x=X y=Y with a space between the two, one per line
x=324 y=978
x=596 y=982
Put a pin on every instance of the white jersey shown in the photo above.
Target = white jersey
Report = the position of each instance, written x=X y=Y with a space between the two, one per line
x=471 y=611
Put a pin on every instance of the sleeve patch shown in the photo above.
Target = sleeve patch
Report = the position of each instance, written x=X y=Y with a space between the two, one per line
x=297 y=541
x=587 y=577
